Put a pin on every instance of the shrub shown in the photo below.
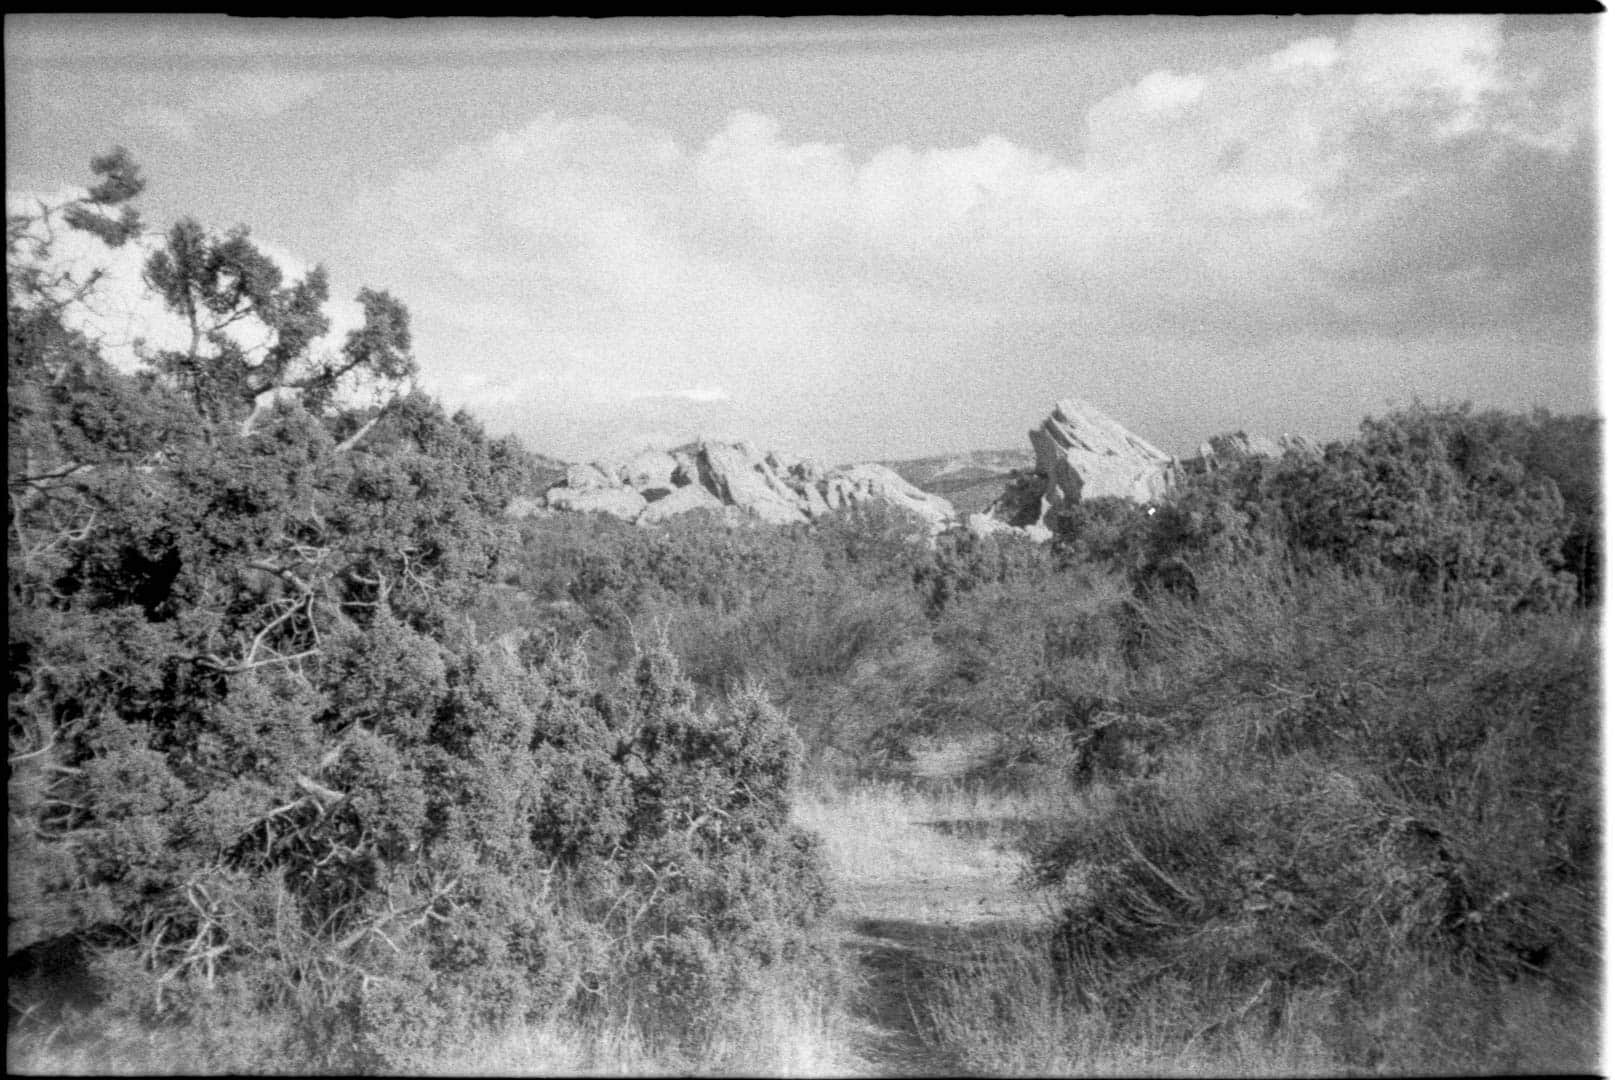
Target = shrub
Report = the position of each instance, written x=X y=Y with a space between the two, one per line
x=1344 y=788
x=262 y=763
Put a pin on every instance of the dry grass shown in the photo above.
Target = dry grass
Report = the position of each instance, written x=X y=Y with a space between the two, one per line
x=958 y=976
x=948 y=969
x=784 y=1030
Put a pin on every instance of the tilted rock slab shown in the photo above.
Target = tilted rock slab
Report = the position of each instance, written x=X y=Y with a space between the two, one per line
x=1084 y=454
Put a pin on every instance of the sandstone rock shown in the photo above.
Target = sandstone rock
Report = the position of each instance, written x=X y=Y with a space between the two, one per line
x=588 y=477
x=877 y=483
x=622 y=502
x=984 y=525
x=1082 y=453
x=747 y=485
x=739 y=476
x=1038 y=533
x=651 y=470
x=1236 y=446
x=682 y=500
x=812 y=500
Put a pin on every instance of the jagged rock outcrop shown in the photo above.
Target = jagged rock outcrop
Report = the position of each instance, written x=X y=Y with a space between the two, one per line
x=621 y=501
x=588 y=478
x=739 y=476
x=679 y=501
x=1082 y=453
x=650 y=473
x=654 y=486
x=877 y=483
x=1221 y=451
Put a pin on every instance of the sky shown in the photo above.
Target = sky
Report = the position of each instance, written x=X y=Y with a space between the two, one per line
x=858 y=239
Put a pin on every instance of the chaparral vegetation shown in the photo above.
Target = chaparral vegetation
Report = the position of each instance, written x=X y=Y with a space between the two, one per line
x=320 y=761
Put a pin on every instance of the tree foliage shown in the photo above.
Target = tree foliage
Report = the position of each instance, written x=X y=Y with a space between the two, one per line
x=259 y=751
x=1438 y=500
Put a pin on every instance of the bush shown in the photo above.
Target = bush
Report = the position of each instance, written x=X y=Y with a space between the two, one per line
x=1344 y=788
x=263 y=764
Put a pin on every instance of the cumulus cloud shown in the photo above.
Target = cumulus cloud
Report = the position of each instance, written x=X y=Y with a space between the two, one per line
x=240 y=95
x=1416 y=187
x=1406 y=180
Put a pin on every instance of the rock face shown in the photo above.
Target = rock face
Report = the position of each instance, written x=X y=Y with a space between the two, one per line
x=680 y=501
x=1082 y=453
x=876 y=483
x=739 y=476
x=655 y=486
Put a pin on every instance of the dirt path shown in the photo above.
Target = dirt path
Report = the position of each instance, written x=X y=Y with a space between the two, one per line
x=919 y=881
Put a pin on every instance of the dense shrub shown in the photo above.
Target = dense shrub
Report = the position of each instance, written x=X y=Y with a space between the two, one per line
x=1431 y=499
x=1340 y=785
x=263 y=764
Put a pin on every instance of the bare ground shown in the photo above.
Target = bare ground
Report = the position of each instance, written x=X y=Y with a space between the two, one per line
x=921 y=883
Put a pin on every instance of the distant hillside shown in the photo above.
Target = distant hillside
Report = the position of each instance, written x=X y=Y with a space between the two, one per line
x=970 y=481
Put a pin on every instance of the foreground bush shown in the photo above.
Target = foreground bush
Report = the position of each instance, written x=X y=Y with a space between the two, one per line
x=266 y=770
x=1339 y=791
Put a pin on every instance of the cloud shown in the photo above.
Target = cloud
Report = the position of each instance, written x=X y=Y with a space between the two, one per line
x=701 y=394
x=1403 y=181
x=241 y=95
x=1416 y=189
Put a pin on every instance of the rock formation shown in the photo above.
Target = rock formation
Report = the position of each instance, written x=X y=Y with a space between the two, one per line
x=1221 y=451
x=654 y=486
x=1083 y=454
x=622 y=502
x=1080 y=453
x=679 y=501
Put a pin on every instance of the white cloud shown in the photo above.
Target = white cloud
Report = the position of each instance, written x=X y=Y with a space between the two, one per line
x=1281 y=197
x=1166 y=92
x=240 y=95
x=1318 y=52
x=702 y=394
x=1405 y=56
